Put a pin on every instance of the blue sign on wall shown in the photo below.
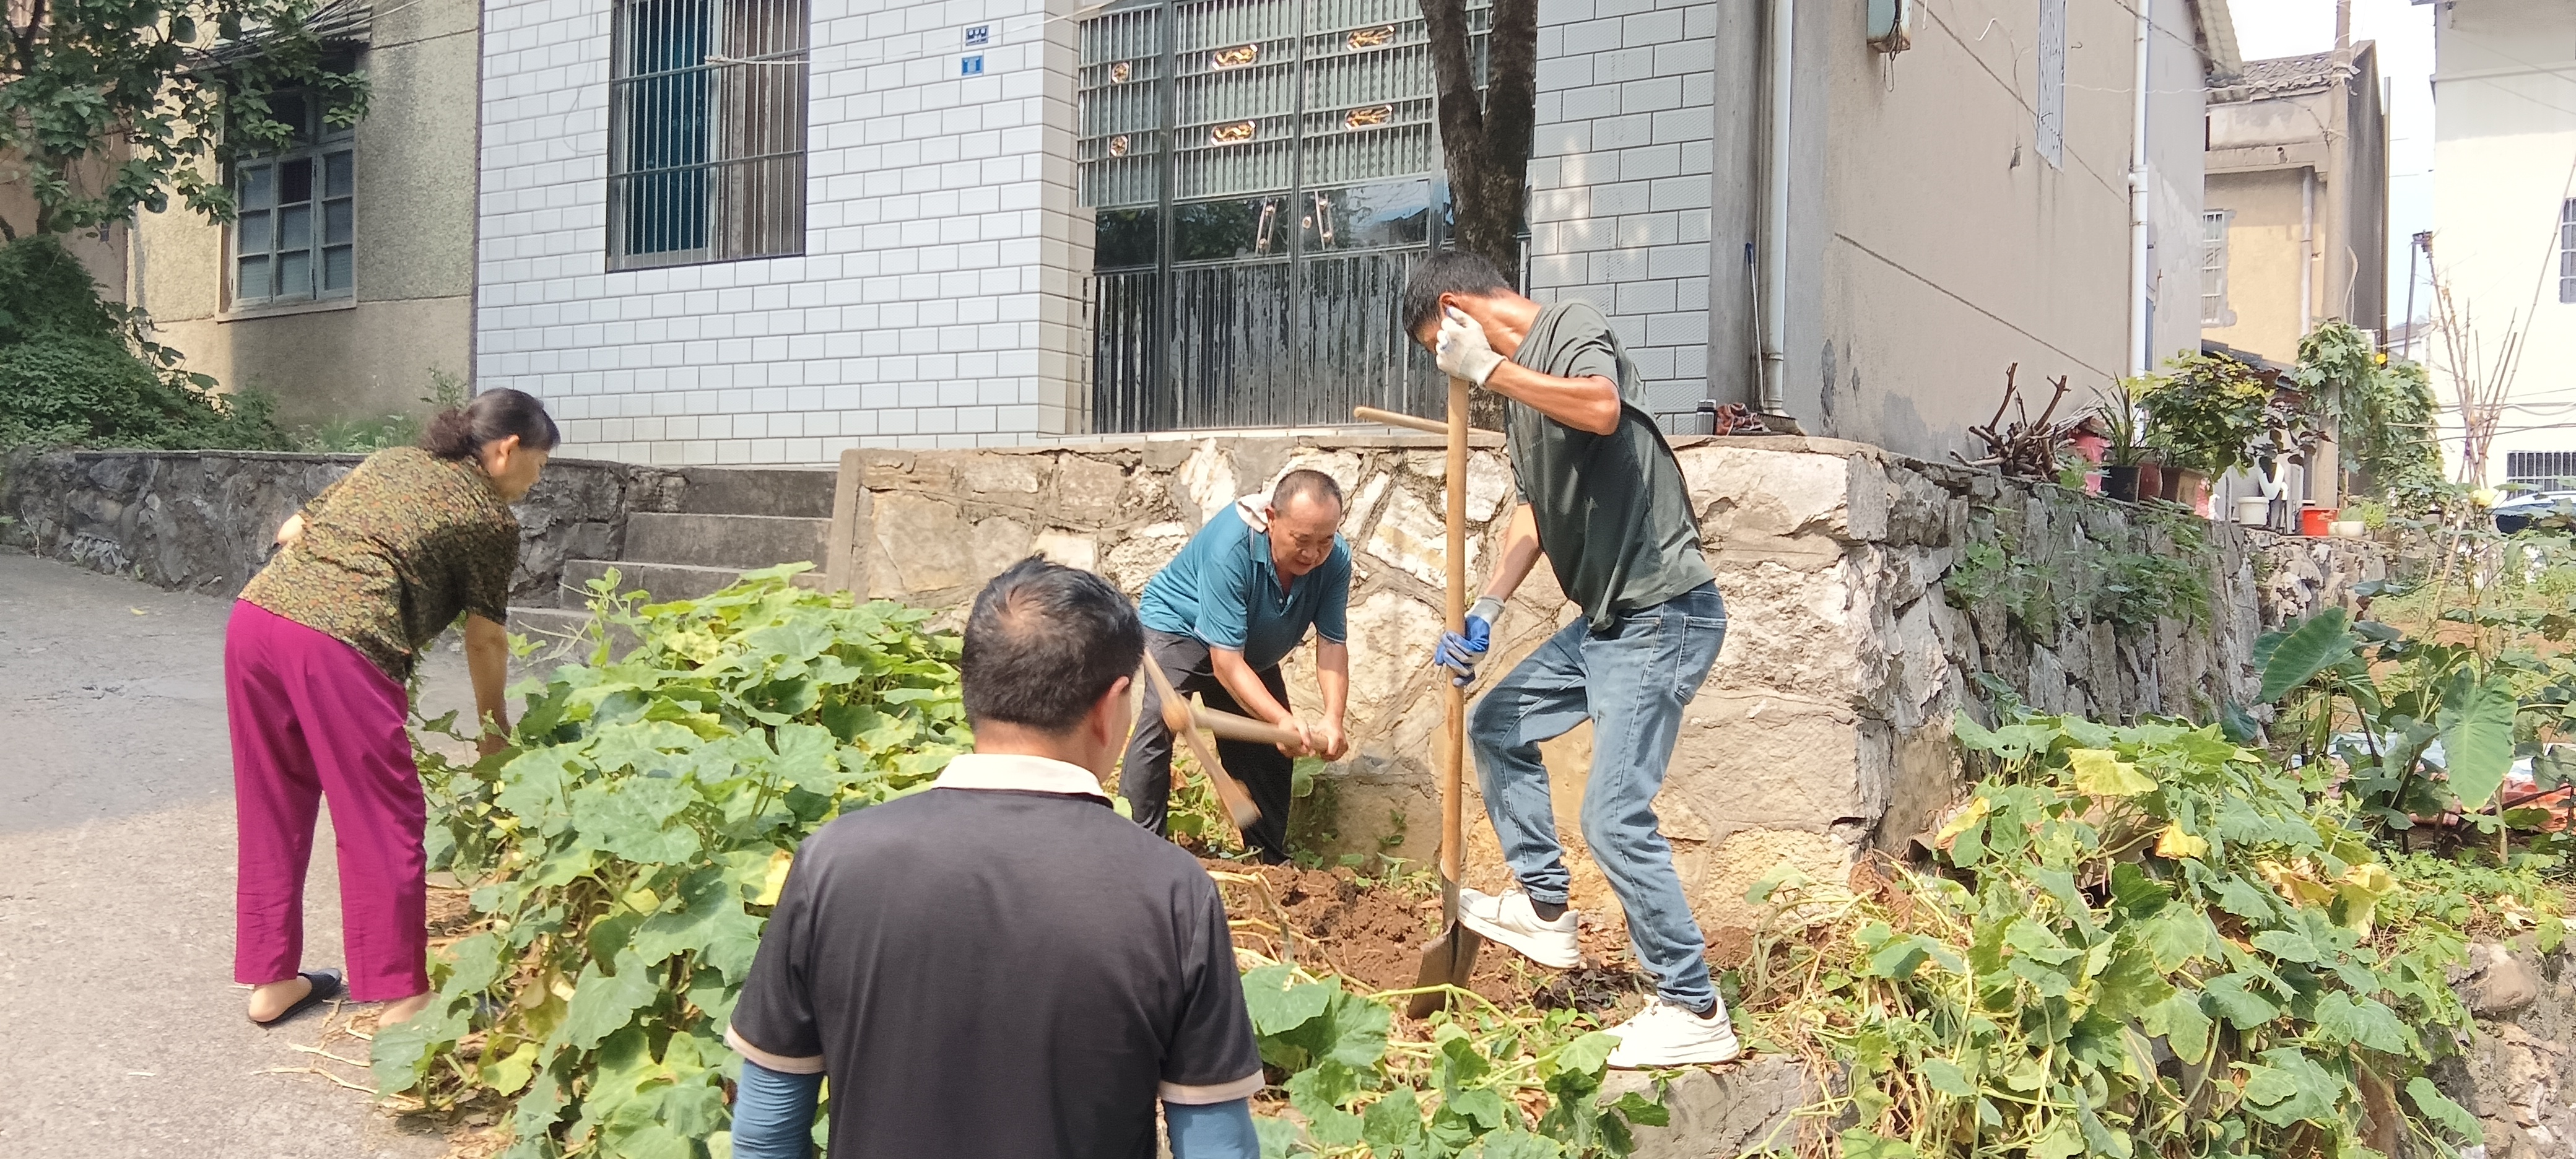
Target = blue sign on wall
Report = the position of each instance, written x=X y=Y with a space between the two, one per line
x=971 y=66
x=979 y=35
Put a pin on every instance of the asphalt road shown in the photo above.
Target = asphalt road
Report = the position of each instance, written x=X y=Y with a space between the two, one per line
x=124 y=1031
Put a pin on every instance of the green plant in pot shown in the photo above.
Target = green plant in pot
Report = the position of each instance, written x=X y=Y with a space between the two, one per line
x=2204 y=414
x=2130 y=474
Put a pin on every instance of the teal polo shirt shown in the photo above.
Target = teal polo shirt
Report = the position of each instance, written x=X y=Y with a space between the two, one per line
x=1223 y=589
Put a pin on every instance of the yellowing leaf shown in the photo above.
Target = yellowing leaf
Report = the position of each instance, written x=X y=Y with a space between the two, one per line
x=1958 y=824
x=776 y=879
x=2296 y=881
x=2174 y=844
x=642 y=900
x=2101 y=773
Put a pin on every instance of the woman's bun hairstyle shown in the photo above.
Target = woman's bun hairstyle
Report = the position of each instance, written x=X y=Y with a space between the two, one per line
x=494 y=415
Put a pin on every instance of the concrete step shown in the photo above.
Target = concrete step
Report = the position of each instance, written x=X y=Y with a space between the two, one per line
x=662 y=581
x=740 y=542
x=795 y=492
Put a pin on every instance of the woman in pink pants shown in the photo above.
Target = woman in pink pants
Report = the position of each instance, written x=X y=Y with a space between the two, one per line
x=315 y=662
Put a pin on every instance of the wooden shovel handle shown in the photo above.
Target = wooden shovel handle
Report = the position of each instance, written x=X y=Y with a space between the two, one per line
x=1453 y=738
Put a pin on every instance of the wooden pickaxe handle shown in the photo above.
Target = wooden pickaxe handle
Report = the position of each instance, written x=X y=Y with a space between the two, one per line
x=1370 y=414
x=1177 y=716
x=1236 y=726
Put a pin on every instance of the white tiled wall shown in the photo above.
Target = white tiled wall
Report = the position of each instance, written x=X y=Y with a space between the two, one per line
x=1619 y=177
x=936 y=303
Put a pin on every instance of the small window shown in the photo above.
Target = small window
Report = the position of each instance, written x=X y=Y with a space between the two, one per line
x=2549 y=470
x=2213 y=269
x=707 y=143
x=294 y=235
x=2567 y=251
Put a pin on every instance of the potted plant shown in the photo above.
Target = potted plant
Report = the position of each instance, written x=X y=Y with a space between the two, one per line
x=2206 y=414
x=2128 y=476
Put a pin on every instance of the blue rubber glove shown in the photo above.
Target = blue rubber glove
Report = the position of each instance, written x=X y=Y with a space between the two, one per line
x=1460 y=652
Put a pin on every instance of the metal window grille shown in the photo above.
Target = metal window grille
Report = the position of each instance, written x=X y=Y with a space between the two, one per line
x=2052 y=82
x=2213 y=268
x=2567 y=251
x=707 y=131
x=294 y=235
x=1265 y=173
x=2543 y=467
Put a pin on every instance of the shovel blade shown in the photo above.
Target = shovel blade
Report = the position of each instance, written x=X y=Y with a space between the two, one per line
x=1447 y=961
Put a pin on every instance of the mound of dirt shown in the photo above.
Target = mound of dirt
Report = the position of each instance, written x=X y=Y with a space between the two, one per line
x=1373 y=933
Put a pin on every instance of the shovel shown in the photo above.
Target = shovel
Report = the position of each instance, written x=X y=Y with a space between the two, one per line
x=1451 y=957
x=1181 y=716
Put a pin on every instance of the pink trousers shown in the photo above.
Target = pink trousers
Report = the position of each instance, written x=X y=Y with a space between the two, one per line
x=311 y=719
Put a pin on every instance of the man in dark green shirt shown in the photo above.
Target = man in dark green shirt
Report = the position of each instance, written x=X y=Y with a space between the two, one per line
x=1602 y=498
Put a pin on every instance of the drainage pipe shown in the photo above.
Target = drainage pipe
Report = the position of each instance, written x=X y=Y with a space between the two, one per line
x=2307 y=249
x=1775 y=240
x=2140 y=276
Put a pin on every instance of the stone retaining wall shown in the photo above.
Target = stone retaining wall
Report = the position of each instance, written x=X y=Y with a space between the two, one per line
x=1825 y=725
x=201 y=521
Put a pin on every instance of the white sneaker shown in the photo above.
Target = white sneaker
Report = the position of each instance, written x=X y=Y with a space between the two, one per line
x=1665 y=1035
x=1510 y=920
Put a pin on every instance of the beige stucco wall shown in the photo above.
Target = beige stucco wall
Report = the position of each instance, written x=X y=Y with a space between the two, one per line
x=2264 y=253
x=2505 y=140
x=412 y=312
x=1947 y=247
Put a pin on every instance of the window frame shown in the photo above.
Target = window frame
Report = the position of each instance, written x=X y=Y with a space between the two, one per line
x=2567 y=252
x=742 y=201
x=318 y=146
x=2214 y=263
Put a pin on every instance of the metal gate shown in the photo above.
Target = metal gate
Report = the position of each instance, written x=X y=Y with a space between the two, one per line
x=1265 y=173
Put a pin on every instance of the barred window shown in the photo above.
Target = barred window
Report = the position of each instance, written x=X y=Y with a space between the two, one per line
x=2213 y=268
x=707 y=131
x=2548 y=468
x=294 y=234
x=2567 y=251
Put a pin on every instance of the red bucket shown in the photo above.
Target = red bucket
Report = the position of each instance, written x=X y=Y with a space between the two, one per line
x=2317 y=521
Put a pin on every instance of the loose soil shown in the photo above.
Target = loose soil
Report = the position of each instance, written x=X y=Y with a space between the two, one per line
x=1372 y=932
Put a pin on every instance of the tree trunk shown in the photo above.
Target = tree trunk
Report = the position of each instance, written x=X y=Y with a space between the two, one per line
x=1485 y=141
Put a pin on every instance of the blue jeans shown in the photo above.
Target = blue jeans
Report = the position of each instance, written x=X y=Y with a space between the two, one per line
x=1631 y=683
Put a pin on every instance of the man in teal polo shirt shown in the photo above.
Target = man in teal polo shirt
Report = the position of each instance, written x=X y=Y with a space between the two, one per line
x=1220 y=617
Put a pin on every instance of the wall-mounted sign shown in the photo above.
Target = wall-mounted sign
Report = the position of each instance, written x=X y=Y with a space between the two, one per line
x=971 y=66
x=978 y=35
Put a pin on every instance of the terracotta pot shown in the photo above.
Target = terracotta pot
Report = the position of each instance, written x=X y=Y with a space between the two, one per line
x=2121 y=483
x=2166 y=482
x=2191 y=489
x=2151 y=481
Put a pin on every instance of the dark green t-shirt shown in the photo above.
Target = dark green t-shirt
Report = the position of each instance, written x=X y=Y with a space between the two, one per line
x=1613 y=513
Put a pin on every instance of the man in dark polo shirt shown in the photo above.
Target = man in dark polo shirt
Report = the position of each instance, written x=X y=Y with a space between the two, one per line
x=1601 y=496
x=1221 y=616
x=1002 y=965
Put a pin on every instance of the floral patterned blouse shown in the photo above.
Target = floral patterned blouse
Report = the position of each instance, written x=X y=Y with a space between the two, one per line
x=393 y=553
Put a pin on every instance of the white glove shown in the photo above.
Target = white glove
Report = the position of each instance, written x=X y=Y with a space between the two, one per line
x=1463 y=351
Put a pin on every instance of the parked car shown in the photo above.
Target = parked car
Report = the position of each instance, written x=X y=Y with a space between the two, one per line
x=2554 y=510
